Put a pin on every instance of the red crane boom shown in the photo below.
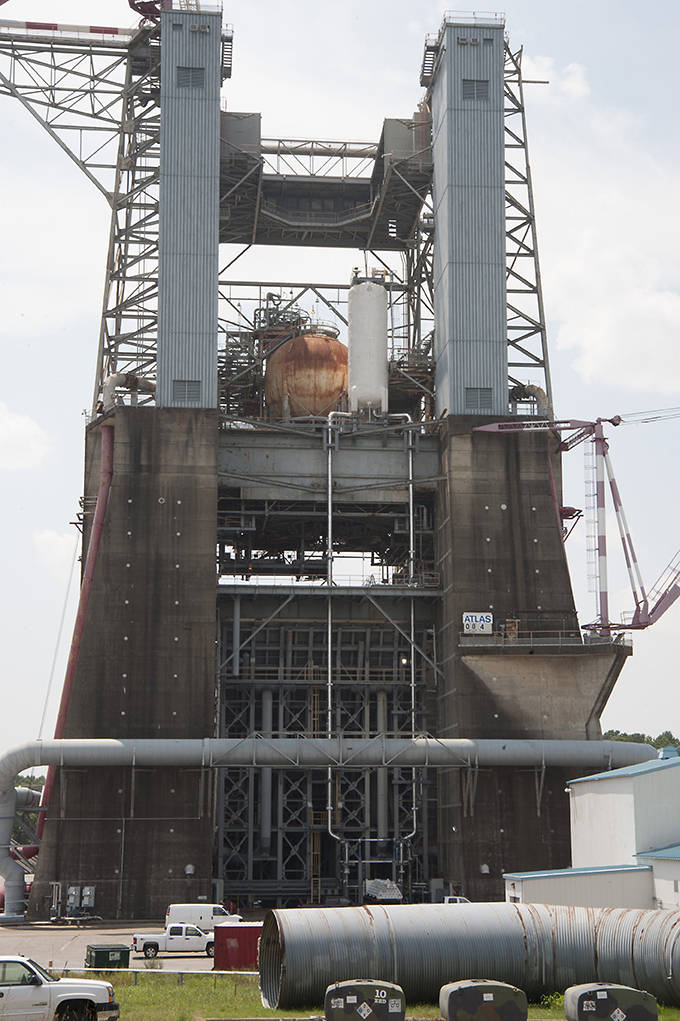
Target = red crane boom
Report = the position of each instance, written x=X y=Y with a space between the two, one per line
x=666 y=589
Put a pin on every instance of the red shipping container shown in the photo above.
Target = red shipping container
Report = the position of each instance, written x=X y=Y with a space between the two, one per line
x=236 y=946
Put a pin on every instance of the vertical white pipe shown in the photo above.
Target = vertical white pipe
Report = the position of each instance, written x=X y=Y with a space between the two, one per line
x=236 y=637
x=329 y=623
x=266 y=776
x=411 y=513
x=412 y=629
x=381 y=777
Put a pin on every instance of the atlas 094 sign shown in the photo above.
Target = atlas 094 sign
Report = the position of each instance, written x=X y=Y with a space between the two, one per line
x=478 y=623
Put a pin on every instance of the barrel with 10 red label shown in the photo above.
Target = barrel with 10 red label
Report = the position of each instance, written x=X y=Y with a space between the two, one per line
x=364 y=1000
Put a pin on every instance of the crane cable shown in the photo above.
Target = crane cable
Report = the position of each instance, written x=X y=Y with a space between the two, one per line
x=57 y=645
x=656 y=415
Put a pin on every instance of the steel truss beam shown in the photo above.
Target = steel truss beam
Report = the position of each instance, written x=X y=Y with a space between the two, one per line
x=99 y=101
x=527 y=341
x=314 y=158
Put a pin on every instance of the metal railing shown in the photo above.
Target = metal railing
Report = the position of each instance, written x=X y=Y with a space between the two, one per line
x=67 y=32
x=192 y=6
x=494 y=19
x=366 y=577
x=151 y=971
x=314 y=676
x=547 y=638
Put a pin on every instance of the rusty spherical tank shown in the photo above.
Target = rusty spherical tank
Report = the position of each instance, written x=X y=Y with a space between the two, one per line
x=310 y=371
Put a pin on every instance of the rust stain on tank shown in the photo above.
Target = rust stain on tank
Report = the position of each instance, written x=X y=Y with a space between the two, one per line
x=311 y=371
x=525 y=938
x=371 y=917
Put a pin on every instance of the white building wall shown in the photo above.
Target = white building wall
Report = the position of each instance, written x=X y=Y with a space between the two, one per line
x=666 y=881
x=593 y=889
x=657 y=808
x=603 y=830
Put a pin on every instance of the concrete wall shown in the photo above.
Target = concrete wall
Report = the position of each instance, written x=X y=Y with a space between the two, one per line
x=539 y=691
x=146 y=669
x=629 y=889
x=499 y=549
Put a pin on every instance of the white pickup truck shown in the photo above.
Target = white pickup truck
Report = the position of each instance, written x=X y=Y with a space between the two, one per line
x=177 y=939
x=29 y=993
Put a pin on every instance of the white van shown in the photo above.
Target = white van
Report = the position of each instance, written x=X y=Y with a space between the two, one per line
x=204 y=916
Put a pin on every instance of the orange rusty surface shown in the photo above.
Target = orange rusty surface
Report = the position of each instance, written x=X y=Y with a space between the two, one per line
x=312 y=370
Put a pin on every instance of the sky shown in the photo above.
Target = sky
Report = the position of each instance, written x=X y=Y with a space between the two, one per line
x=604 y=145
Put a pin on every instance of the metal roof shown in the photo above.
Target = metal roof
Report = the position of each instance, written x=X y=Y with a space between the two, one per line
x=673 y=851
x=636 y=770
x=554 y=873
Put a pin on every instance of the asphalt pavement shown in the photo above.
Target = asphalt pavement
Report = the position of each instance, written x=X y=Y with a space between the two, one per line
x=65 y=946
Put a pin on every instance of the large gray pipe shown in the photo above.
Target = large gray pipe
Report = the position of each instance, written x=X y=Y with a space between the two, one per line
x=289 y=753
x=421 y=947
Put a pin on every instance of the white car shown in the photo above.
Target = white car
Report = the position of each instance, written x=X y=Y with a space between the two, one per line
x=29 y=993
x=177 y=939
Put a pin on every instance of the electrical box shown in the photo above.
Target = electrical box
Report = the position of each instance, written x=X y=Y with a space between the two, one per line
x=482 y=1000
x=364 y=1000
x=87 y=897
x=605 y=1000
x=73 y=897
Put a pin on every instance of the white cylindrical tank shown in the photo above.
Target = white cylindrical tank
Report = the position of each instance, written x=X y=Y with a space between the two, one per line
x=367 y=368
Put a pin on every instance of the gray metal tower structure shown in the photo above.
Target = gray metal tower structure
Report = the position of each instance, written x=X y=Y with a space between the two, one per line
x=468 y=112
x=188 y=203
x=328 y=557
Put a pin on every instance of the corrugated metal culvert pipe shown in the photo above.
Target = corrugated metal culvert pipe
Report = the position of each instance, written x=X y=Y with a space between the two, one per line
x=540 y=949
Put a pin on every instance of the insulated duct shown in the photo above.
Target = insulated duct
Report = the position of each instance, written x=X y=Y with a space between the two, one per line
x=127 y=381
x=538 y=948
x=289 y=753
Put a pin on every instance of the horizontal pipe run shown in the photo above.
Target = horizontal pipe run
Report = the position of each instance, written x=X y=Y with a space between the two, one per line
x=306 y=752
x=288 y=753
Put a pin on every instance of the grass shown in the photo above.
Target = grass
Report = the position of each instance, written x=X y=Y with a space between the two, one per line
x=165 y=996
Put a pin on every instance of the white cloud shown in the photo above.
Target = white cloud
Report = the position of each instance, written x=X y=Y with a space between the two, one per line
x=569 y=82
x=23 y=443
x=635 y=339
x=610 y=260
x=54 y=552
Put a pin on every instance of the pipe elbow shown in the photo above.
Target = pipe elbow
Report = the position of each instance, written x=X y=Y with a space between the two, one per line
x=127 y=381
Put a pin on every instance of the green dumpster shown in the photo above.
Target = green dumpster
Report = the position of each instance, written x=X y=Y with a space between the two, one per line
x=107 y=955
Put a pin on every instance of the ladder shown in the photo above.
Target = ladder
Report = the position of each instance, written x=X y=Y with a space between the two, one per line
x=429 y=60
